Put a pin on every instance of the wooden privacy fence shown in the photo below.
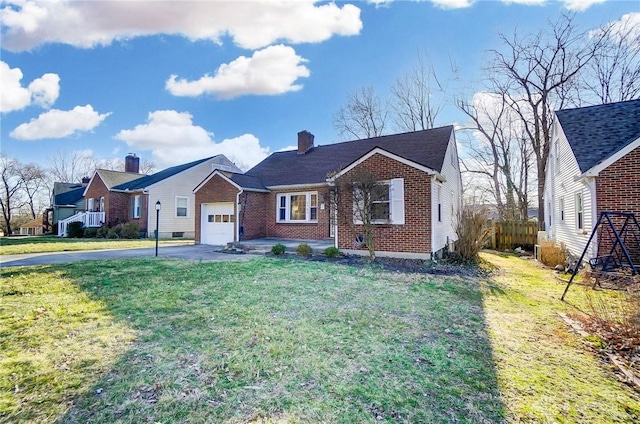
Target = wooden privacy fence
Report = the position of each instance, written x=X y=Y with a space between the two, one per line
x=512 y=234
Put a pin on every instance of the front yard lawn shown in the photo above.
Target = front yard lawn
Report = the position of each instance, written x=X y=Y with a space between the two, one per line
x=47 y=244
x=278 y=340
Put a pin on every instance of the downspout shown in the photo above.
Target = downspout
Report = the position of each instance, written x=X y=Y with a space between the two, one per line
x=237 y=236
x=591 y=183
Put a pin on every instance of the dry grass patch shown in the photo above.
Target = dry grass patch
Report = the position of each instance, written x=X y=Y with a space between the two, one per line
x=48 y=244
x=545 y=373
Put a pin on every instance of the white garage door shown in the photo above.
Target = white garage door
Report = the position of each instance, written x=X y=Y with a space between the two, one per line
x=217 y=223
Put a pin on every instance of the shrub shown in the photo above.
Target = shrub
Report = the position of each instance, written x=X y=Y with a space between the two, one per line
x=102 y=232
x=130 y=231
x=75 y=229
x=472 y=232
x=90 y=232
x=114 y=232
x=278 y=249
x=552 y=254
x=332 y=252
x=304 y=250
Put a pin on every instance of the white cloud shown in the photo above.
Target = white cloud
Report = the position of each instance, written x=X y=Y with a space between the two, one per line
x=43 y=91
x=580 y=5
x=287 y=148
x=526 y=2
x=270 y=71
x=59 y=123
x=250 y=24
x=453 y=4
x=627 y=27
x=174 y=139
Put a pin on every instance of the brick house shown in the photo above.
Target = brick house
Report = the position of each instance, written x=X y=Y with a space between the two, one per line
x=593 y=166
x=131 y=197
x=288 y=194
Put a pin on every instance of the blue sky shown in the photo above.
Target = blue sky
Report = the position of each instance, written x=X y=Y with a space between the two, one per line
x=178 y=81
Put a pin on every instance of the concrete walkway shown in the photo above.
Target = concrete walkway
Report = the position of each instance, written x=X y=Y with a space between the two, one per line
x=189 y=252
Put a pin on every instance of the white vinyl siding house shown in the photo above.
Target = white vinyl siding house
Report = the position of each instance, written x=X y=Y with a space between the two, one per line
x=563 y=188
x=446 y=197
x=176 y=191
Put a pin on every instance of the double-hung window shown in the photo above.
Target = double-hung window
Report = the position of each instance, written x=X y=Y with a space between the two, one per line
x=297 y=207
x=380 y=199
x=579 y=212
x=136 y=206
x=182 y=207
x=386 y=202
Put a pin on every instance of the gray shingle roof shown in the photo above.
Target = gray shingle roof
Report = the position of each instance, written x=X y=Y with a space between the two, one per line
x=70 y=197
x=147 y=180
x=246 y=181
x=114 y=178
x=597 y=132
x=427 y=148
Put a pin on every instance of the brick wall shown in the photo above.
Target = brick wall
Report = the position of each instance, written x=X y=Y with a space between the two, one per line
x=144 y=216
x=217 y=189
x=253 y=214
x=309 y=231
x=412 y=237
x=618 y=189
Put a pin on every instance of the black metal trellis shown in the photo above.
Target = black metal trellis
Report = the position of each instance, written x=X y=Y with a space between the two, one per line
x=620 y=256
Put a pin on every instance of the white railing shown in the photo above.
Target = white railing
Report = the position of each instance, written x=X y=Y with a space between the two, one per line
x=88 y=219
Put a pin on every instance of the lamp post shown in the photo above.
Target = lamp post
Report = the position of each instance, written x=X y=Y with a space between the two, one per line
x=158 y=207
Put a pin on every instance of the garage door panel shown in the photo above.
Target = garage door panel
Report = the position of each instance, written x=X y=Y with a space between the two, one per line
x=218 y=223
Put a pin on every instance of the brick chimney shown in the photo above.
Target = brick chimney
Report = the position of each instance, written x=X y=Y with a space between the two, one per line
x=85 y=180
x=132 y=163
x=305 y=142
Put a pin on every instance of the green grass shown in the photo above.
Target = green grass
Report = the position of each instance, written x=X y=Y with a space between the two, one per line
x=45 y=244
x=545 y=372
x=283 y=340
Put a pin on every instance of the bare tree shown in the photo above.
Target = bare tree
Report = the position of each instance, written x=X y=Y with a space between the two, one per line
x=364 y=115
x=360 y=200
x=535 y=71
x=33 y=181
x=10 y=195
x=499 y=153
x=415 y=100
x=614 y=73
x=72 y=167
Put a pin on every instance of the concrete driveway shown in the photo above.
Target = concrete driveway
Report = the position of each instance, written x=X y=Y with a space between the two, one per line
x=190 y=252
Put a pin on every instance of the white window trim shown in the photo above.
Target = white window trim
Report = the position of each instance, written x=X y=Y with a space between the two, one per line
x=579 y=211
x=175 y=209
x=561 y=209
x=396 y=204
x=287 y=206
x=137 y=206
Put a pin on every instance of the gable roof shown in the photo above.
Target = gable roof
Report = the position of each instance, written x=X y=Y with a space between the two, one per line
x=70 y=197
x=595 y=133
x=147 y=180
x=113 y=178
x=426 y=148
x=243 y=181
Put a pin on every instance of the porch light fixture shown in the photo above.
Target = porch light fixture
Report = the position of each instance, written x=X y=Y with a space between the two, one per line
x=158 y=207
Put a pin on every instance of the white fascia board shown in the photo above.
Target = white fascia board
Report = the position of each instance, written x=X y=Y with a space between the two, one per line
x=211 y=175
x=390 y=155
x=295 y=186
x=596 y=170
x=84 y=193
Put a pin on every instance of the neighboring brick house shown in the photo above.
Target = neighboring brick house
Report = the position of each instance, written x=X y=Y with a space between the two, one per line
x=288 y=194
x=131 y=197
x=593 y=166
